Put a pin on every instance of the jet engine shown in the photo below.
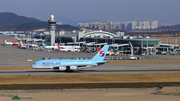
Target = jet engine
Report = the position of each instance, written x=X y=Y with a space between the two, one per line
x=73 y=68
x=62 y=68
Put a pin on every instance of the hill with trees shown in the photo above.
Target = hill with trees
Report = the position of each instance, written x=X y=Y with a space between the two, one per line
x=11 y=21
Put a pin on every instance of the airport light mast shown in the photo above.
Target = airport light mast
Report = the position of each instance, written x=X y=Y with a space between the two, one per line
x=52 y=28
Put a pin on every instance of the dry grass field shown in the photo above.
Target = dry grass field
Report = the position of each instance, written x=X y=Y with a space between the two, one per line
x=15 y=68
x=89 y=78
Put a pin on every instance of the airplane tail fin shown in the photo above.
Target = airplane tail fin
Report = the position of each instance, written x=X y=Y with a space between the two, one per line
x=43 y=43
x=101 y=54
x=13 y=42
x=16 y=38
x=5 y=41
x=20 y=43
x=59 y=47
x=97 y=50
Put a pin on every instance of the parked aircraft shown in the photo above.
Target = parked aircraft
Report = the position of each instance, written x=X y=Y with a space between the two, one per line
x=7 y=43
x=28 y=45
x=18 y=38
x=67 y=50
x=109 y=53
x=4 y=33
x=14 y=43
x=97 y=50
x=7 y=33
x=72 y=65
x=56 y=47
x=48 y=47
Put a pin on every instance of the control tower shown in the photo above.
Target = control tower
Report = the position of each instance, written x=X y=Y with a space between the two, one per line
x=52 y=28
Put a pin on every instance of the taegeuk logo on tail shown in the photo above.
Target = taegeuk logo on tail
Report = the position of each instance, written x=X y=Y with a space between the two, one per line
x=102 y=53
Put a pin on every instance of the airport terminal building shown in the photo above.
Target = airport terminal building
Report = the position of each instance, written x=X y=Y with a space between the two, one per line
x=118 y=41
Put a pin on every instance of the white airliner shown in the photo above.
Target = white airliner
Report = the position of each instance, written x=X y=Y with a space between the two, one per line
x=56 y=47
x=72 y=65
x=67 y=50
x=48 y=47
x=28 y=45
x=8 y=43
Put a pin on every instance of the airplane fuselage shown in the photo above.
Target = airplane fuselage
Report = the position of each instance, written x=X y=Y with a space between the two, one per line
x=71 y=50
x=9 y=43
x=50 y=47
x=55 y=64
x=56 y=47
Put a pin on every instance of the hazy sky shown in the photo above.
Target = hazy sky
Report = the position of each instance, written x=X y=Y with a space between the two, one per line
x=165 y=11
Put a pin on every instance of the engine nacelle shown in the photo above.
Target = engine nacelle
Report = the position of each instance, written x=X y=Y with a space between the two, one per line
x=62 y=68
x=73 y=68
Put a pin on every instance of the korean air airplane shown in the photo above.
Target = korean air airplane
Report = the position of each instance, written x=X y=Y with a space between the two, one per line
x=3 y=33
x=18 y=38
x=73 y=65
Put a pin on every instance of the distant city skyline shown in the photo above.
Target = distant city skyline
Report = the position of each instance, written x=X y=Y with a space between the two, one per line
x=164 y=11
x=130 y=25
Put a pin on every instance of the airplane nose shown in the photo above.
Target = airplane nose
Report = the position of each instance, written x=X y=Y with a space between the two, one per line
x=33 y=66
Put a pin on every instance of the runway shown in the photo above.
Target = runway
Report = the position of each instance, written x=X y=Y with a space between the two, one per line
x=13 y=57
x=52 y=72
